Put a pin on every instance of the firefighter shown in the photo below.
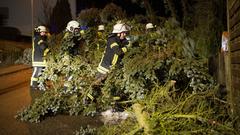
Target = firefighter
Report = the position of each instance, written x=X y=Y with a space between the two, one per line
x=115 y=49
x=73 y=31
x=101 y=40
x=72 y=36
x=152 y=33
x=101 y=28
x=39 y=51
x=149 y=27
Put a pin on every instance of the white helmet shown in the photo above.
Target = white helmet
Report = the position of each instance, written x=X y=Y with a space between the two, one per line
x=72 y=25
x=41 y=29
x=149 y=26
x=101 y=27
x=120 y=27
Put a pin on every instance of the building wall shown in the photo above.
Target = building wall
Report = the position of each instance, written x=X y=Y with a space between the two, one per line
x=234 y=44
x=20 y=13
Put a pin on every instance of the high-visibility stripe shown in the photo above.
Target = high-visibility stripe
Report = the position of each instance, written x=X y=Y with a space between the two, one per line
x=101 y=71
x=113 y=44
x=82 y=32
x=45 y=52
x=116 y=98
x=101 y=59
x=103 y=68
x=44 y=62
x=90 y=96
x=34 y=79
x=124 y=49
x=115 y=58
x=39 y=63
x=40 y=41
x=34 y=73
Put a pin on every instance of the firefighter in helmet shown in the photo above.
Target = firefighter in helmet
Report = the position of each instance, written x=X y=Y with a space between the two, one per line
x=72 y=45
x=115 y=49
x=101 y=37
x=39 y=51
x=100 y=28
x=149 y=27
x=73 y=34
x=152 y=33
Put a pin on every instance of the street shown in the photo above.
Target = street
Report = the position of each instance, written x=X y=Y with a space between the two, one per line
x=13 y=99
x=10 y=103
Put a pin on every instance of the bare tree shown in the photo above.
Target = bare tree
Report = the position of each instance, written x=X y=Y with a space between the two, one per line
x=172 y=8
x=148 y=7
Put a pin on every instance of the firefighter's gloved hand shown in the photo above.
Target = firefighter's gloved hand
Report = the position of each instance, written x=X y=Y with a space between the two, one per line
x=131 y=40
x=134 y=39
x=128 y=38
x=128 y=42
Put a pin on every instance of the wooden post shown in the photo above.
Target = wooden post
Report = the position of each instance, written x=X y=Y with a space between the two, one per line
x=233 y=61
x=227 y=61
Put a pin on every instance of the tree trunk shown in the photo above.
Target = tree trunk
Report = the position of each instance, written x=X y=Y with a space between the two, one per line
x=184 y=4
x=150 y=12
x=172 y=8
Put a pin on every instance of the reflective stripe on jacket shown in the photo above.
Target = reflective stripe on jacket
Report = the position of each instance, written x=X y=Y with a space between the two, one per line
x=113 y=53
x=39 y=51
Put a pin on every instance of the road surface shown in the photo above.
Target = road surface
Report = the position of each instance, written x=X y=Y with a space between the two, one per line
x=16 y=97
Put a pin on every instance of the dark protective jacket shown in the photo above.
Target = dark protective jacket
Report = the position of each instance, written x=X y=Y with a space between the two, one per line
x=113 y=54
x=39 y=51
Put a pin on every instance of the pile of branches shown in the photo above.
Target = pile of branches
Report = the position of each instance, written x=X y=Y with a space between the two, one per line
x=161 y=80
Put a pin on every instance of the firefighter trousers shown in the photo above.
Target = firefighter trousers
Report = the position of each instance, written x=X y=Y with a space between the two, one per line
x=37 y=71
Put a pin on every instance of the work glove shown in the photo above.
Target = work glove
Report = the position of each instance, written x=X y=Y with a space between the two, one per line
x=132 y=40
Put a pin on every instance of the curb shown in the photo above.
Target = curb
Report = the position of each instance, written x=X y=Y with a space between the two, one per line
x=13 y=69
x=13 y=76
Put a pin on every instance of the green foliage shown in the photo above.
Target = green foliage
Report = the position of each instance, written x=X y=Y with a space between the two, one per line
x=187 y=104
x=150 y=63
x=193 y=112
x=169 y=111
x=68 y=41
x=194 y=71
x=56 y=99
x=48 y=104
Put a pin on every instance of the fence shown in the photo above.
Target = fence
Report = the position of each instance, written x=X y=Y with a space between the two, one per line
x=234 y=58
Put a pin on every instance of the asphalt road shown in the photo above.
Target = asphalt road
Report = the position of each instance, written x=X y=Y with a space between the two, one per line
x=17 y=97
x=10 y=103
